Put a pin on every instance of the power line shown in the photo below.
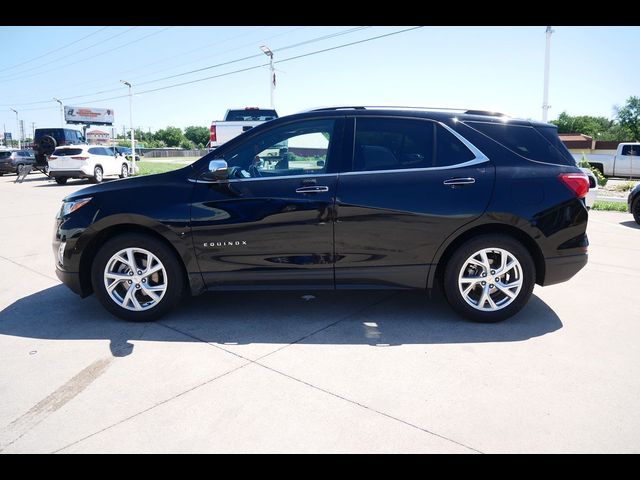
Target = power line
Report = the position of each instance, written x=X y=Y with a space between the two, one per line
x=306 y=42
x=57 y=59
x=55 y=49
x=316 y=52
x=91 y=57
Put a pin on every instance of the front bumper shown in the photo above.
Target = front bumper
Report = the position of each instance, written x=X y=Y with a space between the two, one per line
x=561 y=269
x=71 y=280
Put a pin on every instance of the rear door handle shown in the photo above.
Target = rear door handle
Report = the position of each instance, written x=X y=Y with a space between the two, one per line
x=452 y=182
x=313 y=189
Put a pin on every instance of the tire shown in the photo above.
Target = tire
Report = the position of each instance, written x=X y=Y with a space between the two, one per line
x=139 y=307
x=46 y=145
x=495 y=246
x=124 y=171
x=635 y=209
x=19 y=167
x=98 y=175
x=61 y=180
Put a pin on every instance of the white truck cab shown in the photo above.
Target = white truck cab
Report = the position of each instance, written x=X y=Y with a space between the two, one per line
x=237 y=121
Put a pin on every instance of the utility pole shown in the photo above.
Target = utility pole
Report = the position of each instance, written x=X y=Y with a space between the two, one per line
x=545 y=93
x=33 y=131
x=272 y=73
x=17 y=127
x=61 y=112
x=133 y=144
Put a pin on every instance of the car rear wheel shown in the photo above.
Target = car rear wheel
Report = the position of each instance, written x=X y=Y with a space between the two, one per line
x=98 y=175
x=124 y=171
x=61 y=180
x=489 y=278
x=137 y=277
x=19 y=168
x=635 y=209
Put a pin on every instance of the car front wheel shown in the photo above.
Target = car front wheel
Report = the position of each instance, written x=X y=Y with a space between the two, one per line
x=489 y=278
x=124 y=171
x=137 y=277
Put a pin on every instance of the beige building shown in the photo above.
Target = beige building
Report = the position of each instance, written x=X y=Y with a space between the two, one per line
x=98 y=137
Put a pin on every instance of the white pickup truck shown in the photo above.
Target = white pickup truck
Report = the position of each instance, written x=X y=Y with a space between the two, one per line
x=625 y=162
x=237 y=121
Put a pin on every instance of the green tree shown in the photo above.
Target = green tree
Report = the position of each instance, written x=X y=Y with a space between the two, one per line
x=198 y=135
x=171 y=136
x=629 y=116
x=585 y=124
x=186 y=144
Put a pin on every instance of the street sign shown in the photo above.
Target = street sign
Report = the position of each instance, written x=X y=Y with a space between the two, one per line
x=7 y=136
x=88 y=115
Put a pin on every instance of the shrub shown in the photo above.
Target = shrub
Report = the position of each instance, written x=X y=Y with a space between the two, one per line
x=600 y=178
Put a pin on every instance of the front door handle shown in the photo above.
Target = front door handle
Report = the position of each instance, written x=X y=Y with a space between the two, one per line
x=313 y=189
x=453 y=182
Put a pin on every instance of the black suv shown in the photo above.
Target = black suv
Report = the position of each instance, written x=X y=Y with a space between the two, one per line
x=339 y=198
x=45 y=141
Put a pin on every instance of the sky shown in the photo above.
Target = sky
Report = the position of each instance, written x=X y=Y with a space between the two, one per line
x=501 y=69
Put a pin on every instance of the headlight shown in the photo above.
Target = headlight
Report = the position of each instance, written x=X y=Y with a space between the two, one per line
x=72 y=206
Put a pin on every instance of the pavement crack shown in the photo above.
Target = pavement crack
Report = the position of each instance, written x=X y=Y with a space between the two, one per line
x=371 y=409
x=30 y=269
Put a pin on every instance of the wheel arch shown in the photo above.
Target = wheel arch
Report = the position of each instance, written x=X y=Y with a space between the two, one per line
x=101 y=237
x=500 y=228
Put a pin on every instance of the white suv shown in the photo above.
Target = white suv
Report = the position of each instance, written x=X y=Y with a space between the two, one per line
x=86 y=161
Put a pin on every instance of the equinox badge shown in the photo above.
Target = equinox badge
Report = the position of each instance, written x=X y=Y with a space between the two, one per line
x=237 y=243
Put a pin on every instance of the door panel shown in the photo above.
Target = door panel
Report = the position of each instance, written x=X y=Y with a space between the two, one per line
x=263 y=231
x=390 y=220
x=271 y=222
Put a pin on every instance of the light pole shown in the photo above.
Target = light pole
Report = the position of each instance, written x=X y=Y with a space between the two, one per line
x=133 y=145
x=17 y=126
x=61 y=111
x=272 y=74
x=545 y=93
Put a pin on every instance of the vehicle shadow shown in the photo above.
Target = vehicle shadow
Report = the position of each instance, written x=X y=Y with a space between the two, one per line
x=630 y=224
x=237 y=318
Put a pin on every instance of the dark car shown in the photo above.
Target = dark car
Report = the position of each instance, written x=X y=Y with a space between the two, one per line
x=482 y=204
x=46 y=140
x=126 y=152
x=13 y=161
x=633 y=202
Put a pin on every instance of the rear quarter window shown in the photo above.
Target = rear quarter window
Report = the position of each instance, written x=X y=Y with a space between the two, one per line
x=527 y=141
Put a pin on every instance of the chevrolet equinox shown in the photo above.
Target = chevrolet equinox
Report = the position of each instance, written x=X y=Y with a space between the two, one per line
x=339 y=198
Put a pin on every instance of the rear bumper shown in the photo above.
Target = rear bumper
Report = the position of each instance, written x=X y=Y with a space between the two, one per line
x=561 y=269
x=69 y=174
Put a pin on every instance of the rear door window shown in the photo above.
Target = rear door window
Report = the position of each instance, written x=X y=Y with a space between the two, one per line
x=96 y=151
x=399 y=144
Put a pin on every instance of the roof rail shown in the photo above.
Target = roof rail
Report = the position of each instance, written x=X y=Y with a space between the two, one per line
x=485 y=112
x=398 y=107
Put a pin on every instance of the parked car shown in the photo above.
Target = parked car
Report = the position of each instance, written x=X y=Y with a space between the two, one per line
x=485 y=205
x=590 y=199
x=11 y=161
x=126 y=151
x=86 y=161
x=633 y=202
x=46 y=140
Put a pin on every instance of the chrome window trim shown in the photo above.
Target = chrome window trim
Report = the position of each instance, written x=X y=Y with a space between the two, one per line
x=470 y=163
x=253 y=179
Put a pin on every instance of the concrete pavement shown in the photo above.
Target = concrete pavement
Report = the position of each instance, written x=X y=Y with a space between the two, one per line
x=339 y=372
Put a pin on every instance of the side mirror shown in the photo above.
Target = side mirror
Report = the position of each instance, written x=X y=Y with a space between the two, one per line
x=219 y=169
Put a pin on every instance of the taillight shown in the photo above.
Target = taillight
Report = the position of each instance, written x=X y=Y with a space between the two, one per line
x=213 y=133
x=53 y=157
x=80 y=158
x=578 y=183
